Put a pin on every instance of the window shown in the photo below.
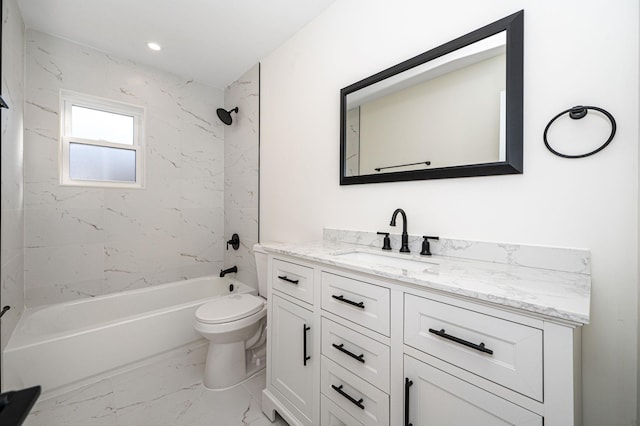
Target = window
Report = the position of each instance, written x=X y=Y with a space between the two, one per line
x=101 y=142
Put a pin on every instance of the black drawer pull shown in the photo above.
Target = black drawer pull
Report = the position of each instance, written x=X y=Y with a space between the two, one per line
x=289 y=280
x=350 y=302
x=306 y=358
x=479 y=347
x=407 y=385
x=349 y=397
x=341 y=348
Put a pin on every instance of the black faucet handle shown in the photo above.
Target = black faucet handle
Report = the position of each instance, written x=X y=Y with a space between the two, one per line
x=386 y=242
x=426 y=249
x=234 y=241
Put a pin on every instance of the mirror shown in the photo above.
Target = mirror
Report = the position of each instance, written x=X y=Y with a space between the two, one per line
x=453 y=111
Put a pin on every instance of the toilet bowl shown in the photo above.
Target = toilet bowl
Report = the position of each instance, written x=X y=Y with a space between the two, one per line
x=233 y=324
x=235 y=327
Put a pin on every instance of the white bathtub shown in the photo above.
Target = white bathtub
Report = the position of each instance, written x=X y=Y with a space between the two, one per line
x=59 y=345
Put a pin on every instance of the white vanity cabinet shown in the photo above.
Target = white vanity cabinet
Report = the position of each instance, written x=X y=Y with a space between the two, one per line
x=386 y=352
x=291 y=344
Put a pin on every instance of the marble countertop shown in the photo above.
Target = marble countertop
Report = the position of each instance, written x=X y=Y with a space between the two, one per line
x=547 y=292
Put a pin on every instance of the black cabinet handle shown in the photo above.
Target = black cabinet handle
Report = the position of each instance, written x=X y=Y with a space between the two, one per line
x=350 y=302
x=341 y=348
x=357 y=403
x=479 y=347
x=306 y=358
x=289 y=280
x=407 y=385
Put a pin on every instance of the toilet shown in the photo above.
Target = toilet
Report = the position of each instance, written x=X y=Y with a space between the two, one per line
x=235 y=327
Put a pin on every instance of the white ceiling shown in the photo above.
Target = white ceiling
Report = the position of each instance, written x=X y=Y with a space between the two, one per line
x=211 y=41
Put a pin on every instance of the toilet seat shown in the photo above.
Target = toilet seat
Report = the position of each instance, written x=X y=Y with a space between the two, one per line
x=229 y=308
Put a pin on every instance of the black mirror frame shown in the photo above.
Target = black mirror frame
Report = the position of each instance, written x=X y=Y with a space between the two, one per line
x=514 y=26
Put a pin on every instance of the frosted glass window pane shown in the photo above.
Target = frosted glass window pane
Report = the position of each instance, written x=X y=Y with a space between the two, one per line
x=90 y=162
x=93 y=124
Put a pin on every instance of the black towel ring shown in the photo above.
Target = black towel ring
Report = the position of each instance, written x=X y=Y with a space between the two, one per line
x=576 y=113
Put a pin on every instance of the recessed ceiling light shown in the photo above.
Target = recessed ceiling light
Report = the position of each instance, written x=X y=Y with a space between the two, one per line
x=154 y=46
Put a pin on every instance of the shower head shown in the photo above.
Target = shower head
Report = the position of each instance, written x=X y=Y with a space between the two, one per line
x=225 y=116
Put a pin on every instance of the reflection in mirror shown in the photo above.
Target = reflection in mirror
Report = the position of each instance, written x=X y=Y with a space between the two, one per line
x=425 y=104
x=453 y=111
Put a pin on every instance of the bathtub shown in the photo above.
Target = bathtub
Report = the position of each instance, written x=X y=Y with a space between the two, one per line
x=61 y=345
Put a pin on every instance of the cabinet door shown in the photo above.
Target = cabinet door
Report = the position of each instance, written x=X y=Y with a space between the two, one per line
x=291 y=349
x=437 y=398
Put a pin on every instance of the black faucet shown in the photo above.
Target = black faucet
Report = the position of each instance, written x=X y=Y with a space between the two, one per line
x=224 y=272
x=405 y=236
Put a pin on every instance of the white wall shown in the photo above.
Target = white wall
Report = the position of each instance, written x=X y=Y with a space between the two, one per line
x=83 y=242
x=12 y=189
x=576 y=52
x=241 y=173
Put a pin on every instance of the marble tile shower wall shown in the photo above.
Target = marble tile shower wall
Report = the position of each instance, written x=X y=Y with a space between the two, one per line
x=82 y=241
x=241 y=173
x=12 y=189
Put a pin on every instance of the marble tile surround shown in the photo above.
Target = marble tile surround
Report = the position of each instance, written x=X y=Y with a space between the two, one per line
x=241 y=154
x=83 y=241
x=165 y=391
x=12 y=188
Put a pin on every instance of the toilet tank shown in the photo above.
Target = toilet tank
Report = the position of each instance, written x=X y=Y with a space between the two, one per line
x=261 y=268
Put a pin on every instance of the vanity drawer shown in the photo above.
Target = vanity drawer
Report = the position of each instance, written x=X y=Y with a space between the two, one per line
x=332 y=415
x=363 y=303
x=502 y=351
x=363 y=356
x=366 y=403
x=293 y=279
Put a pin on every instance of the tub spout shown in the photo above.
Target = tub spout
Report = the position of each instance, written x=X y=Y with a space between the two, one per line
x=224 y=272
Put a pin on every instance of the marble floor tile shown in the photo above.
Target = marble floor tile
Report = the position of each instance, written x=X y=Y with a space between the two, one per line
x=167 y=391
x=89 y=405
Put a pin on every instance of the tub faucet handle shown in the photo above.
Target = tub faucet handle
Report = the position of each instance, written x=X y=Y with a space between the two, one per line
x=234 y=241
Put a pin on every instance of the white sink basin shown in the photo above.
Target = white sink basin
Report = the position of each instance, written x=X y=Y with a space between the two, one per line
x=387 y=260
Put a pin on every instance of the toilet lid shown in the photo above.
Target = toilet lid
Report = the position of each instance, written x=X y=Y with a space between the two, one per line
x=229 y=308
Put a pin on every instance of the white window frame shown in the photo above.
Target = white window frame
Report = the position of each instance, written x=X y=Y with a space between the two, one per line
x=67 y=100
